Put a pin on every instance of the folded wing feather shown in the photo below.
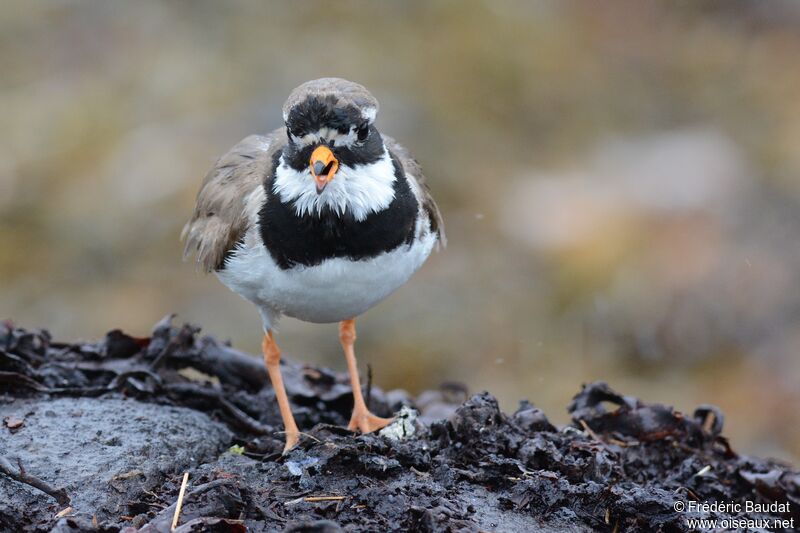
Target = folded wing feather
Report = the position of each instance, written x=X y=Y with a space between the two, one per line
x=221 y=217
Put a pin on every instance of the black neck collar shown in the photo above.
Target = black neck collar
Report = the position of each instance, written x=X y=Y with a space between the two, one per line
x=310 y=239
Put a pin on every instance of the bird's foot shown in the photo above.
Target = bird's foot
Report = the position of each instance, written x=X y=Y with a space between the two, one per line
x=365 y=422
x=292 y=438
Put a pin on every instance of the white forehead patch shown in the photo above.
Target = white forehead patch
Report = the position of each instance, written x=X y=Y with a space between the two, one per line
x=361 y=190
x=327 y=135
x=369 y=114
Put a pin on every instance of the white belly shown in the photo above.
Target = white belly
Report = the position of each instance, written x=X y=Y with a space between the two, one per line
x=337 y=289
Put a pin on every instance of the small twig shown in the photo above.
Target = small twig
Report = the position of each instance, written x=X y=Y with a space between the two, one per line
x=63 y=512
x=20 y=475
x=310 y=436
x=313 y=499
x=122 y=379
x=179 y=504
x=703 y=471
x=622 y=443
x=162 y=520
x=589 y=430
x=323 y=499
x=420 y=473
x=692 y=494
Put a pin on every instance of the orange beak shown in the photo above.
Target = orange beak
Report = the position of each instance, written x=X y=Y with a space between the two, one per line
x=323 y=166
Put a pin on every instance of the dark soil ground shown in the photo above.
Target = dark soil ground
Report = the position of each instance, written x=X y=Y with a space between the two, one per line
x=97 y=437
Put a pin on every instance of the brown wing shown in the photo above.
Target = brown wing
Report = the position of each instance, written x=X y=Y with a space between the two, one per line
x=221 y=216
x=414 y=172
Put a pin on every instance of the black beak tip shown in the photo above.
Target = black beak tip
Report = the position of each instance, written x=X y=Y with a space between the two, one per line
x=321 y=188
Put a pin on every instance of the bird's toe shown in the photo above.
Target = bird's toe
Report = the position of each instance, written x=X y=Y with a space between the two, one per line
x=366 y=422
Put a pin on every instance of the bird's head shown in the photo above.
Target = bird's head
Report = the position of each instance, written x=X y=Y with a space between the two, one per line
x=334 y=150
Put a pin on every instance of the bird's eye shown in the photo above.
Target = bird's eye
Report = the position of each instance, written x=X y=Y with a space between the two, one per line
x=363 y=132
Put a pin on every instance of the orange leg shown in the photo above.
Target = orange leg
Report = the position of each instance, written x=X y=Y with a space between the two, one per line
x=272 y=358
x=362 y=419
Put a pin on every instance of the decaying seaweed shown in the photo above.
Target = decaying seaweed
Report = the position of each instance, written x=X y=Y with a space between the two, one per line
x=143 y=411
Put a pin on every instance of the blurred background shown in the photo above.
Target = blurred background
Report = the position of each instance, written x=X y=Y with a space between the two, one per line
x=620 y=185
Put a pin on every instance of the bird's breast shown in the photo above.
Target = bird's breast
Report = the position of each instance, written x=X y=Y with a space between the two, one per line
x=308 y=239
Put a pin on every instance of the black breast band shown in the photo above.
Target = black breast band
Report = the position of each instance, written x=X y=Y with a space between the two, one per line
x=310 y=239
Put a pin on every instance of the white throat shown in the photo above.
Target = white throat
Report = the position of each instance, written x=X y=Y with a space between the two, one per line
x=361 y=190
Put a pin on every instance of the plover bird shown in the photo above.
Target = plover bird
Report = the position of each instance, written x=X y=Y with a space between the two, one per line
x=319 y=220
